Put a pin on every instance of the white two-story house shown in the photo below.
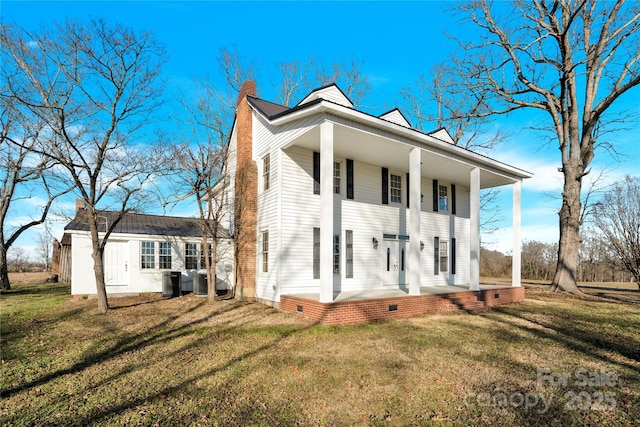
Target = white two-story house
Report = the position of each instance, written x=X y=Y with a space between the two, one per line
x=328 y=199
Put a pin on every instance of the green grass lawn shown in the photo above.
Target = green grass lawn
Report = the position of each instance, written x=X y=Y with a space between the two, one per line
x=552 y=360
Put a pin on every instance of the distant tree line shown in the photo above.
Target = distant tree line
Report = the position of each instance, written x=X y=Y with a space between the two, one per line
x=596 y=262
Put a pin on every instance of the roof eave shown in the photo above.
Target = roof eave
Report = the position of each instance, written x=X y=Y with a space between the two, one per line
x=324 y=106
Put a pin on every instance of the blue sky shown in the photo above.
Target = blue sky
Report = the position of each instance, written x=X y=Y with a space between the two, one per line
x=397 y=41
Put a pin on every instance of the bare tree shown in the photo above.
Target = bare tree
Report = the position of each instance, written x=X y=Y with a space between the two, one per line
x=569 y=60
x=23 y=173
x=297 y=80
x=199 y=170
x=440 y=101
x=618 y=219
x=94 y=86
x=18 y=260
x=45 y=245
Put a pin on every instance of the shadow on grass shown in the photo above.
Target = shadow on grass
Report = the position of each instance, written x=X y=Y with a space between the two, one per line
x=568 y=330
x=245 y=411
x=38 y=289
x=122 y=345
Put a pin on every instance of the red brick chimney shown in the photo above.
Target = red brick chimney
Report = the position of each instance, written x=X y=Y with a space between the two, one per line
x=80 y=205
x=246 y=200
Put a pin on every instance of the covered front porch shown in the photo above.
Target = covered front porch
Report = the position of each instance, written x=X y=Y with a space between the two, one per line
x=410 y=160
x=378 y=304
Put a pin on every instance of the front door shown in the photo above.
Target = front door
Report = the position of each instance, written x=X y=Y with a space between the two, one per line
x=394 y=263
x=115 y=264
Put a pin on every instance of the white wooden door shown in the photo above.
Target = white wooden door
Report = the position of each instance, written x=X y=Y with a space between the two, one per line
x=115 y=264
x=394 y=262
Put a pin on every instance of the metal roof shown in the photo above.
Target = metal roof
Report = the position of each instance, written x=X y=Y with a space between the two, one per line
x=133 y=223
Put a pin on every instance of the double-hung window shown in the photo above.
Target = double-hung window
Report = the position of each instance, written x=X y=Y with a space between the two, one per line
x=316 y=253
x=348 y=253
x=336 y=177
x=190 y=256
x=442 y=198
x=266 y=172
x=164 y=256
x=444 y=256
x=336 y=254
x=396 y=188
x=147 y=255
x=265 y=251
x=202 y=257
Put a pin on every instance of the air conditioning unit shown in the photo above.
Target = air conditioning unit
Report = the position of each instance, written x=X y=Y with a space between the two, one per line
x=200 y=286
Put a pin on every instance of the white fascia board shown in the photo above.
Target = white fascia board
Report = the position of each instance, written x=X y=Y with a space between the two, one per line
x=424 y=140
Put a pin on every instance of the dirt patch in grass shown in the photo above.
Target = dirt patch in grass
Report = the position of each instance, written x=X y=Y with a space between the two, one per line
x=182 y=361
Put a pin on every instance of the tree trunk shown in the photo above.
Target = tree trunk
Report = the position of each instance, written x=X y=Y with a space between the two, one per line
x=98 y=268
x=4 y=270
x=211 y=271
x=565 y=278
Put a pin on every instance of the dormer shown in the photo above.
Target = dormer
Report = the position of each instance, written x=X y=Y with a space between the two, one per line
x=395 y=116
x=330 y=93
x=442 y=135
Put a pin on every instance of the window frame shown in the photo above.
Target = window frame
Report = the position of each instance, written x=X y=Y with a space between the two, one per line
x=203 y=264
x=337 y=178
x=336 y=254
x=443 y=198
x=348 y=242
x=395 y=191
x=164 y=258
x=266 y=172
x=443 y=255
x=189 y=257
x=147 y=259
x=265 y=251
x=316 y=252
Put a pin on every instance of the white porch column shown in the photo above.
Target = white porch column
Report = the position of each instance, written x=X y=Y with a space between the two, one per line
x=474 y=245
x=516 y=256
x=414 y=221
x=326 y=212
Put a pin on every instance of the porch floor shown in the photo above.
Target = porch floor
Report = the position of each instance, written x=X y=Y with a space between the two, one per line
x=371 y=294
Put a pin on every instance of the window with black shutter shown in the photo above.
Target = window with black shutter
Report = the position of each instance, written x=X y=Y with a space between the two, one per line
x=316 y=172
x=453 y=199
x=435 y=195
x=436 y=256
x=349 y=179
x=385 y=186
x=453 y=255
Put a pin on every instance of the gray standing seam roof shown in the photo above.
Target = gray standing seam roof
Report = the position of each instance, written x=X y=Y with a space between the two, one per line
x=155 y=225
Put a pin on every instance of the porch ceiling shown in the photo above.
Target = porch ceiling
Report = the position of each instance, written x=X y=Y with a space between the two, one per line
x=375 y=149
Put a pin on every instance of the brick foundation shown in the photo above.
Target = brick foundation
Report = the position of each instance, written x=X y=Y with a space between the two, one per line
x=363 y=311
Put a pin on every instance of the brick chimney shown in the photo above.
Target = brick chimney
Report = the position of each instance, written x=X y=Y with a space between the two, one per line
x=246 y=199
x=80 y=205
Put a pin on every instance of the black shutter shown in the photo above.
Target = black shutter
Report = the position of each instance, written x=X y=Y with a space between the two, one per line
x=408 y=188
x=436 y=256
x=349 y=179
x=316 y=172
x=435 y=195
x=453 y=255
x=453 y=199
x=385 y=186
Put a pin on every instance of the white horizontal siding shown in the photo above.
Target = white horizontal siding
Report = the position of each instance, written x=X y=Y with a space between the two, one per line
x=366 y=217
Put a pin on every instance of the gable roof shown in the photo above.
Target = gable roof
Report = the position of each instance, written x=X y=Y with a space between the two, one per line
x=395 y=116
x=154 y=225
x=443 y=135
x=330 y=93
x=438 y=142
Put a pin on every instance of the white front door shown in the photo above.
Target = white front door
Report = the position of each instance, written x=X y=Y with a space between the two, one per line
x=115 y=264
x=394 y=262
